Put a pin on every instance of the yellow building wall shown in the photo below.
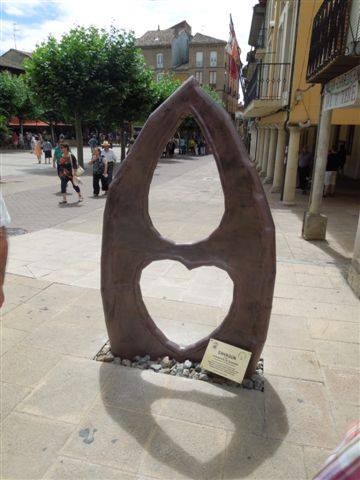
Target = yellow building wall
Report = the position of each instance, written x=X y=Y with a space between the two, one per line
x=276 y=118
x=305 y=97
x=345 y=116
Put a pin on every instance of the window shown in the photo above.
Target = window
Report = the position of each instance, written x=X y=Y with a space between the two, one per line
x=159 y=76
x=213 y=59
x=199 y=59
x=212 y=78
x=199 y=77
x=159 y=60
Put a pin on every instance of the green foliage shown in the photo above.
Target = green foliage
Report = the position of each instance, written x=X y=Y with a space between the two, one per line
x=136 y=101
x=165 y=87
x=66 y=74
x=96 y=76
x=189 y=122
x=213 y=94
x=7 y=94
x=92 y=73
x=5 y=134
x=15 y=97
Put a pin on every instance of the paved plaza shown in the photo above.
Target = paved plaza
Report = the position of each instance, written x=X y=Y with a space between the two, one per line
x=66 y=416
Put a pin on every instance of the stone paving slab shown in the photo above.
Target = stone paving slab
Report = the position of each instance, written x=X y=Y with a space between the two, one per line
x=66 y=416
x=67 y=468
x=30 y=444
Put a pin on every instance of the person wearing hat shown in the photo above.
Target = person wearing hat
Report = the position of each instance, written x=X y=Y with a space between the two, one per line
x=110 y=158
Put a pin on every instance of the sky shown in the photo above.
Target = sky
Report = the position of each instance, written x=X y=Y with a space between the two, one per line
x=35 y=20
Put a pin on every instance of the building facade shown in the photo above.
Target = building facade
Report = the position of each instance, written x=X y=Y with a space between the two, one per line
x=281 y=105
x=302 y=89
x=175 y=50
x=12 y=61
x=334 y=63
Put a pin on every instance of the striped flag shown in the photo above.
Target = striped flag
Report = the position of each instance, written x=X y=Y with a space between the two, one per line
x=233 y=49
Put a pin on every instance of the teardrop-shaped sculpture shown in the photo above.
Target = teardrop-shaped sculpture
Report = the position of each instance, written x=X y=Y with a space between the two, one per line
x=243 y=245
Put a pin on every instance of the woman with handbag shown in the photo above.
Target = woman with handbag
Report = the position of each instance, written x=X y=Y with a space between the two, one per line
x=67 y=172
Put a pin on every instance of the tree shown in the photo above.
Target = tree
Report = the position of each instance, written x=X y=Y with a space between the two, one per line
x=5 y=134
x=165 y=87
x=213 y=94
x=16 y=98
x=7 y=94
x=134 y=103
x=87 y=71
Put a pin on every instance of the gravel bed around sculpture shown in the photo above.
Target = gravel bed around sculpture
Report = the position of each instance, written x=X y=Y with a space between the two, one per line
x=187 y=369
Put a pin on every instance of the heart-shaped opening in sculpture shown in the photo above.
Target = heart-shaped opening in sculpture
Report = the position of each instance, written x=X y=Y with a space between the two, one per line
x=186 y=305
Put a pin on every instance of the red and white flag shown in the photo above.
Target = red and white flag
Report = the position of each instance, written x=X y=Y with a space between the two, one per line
x=233 y=49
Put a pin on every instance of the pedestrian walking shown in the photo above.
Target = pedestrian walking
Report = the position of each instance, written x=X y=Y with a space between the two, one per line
x=28 y=138
x=110 y=158
x=37 y=149
x=100 y=172
x=304 y=162
x=93 y=143
x=47 y=149
x=21 y=141
x=32 y=143
x=15 y=139
x=57 y=157
x=201 y=146
x=131 y=143
x=191 y=146
x=182 y=146
x=67 y=172
x=332 y=167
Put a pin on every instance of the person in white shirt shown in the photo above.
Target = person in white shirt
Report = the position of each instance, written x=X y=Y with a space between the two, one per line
x=4 y=221
x=110 y=157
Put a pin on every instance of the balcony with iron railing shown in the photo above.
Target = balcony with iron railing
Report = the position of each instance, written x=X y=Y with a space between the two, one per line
x=335 y=40
x=267 y=90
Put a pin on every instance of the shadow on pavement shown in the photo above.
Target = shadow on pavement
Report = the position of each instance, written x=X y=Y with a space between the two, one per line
x=242 y=441
x=342 y=212
x=338 y=258
x=71 y=205
x=50 y=171
x=168 y=160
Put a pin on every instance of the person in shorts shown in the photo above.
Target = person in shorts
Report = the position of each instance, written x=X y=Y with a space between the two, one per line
x=47 y=149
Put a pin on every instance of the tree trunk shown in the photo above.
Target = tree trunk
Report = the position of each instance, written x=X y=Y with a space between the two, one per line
x=52 y=132
x=122 y=141
x=79 y=139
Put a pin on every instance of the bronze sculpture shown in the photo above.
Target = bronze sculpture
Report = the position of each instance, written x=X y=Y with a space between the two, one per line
x=243 y=244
